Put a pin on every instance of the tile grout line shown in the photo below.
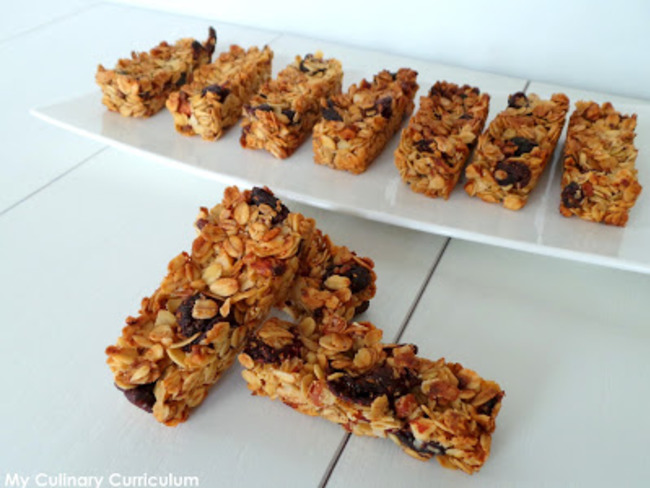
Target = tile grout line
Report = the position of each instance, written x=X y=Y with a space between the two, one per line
x=52 y=181
x=334 y=461
x=47 y=23
x=416 y=302
x=339 y=451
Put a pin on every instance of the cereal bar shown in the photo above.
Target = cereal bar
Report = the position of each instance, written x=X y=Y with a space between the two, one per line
x=600 y=179
x=281 y=116
x=437 y=142
x=514 y=150
x=213 y=101
x=139 y=87
x=331 y=280
x=342 y=372
x=193 y=326
x=357 y=125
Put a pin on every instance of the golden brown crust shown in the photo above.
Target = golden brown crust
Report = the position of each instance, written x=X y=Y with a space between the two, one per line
x=331 y=280
x=194 y=325
x=436 y=144
x=342 y=372
x=515 y=149
x=213 y=101
x=357 y=125
x=599 y=182
x=139 y=86
x=282 y=115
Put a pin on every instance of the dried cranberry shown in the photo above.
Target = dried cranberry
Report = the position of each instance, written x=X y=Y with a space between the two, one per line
x=190 y=326
x=516 y=173
x=263 y=353
x=423 y=145
x=141 y=396
x=365 y=388
x=572 y=195
x=384 y=107
x=218 y=90
x=330 y=113
x=518 y=100
x=487 y=407
x=305 y=69
x=406 y=438
x=362 y=308
x=279 y=269
x=182 y=80
x=290 y=114
x=197 y=47
x=260 y=196
x=360 y=277
x=523 y=145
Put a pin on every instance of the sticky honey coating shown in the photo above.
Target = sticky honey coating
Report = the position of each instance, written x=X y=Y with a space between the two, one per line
x=190 y=330
x=513 y=152
x=282 y=114
x=439 y=138
x=213 y=101
x=341 y=371
x=356 y=126
x=599 y=182
x=139 y=86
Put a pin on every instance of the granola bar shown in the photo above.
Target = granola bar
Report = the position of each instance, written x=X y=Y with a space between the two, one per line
x=438 y=140
x=356 y=126
x=331 y=280
x=281 y=116
x=139 y=87
x=599 y=181
x=193 y=326
x=513 y=152
x=213 y=101
x=342 y=372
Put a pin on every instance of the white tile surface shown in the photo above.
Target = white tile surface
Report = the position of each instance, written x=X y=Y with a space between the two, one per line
x=27 y=15
x=569 y=344
x=68 y=53
x=80 y=255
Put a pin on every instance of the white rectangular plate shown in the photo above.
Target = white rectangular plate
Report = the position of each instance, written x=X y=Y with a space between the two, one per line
x=379 y=194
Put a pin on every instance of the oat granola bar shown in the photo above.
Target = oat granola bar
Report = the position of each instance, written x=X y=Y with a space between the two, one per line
x=599 y=182
x=514 y=150
x=331 y=280
x=282 y=115
x=139 y=87
x=342 y=372
x=356 y=126
x=213 y=101
x=193 y=326
x=437 y=142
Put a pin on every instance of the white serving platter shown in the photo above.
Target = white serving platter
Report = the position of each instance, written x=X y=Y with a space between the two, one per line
x=379 y=194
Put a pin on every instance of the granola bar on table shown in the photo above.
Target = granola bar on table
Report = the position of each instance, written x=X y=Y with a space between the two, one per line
x=600 y=182
x=341 y=371
x=515 y=149
x=193 y=326
x=437 y=142
x=331 y=280
x=282 y=115
x=213 y=101
x=139 y=86
x=356 y=126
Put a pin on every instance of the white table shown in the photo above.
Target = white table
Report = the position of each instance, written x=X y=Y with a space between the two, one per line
x=86 y=231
